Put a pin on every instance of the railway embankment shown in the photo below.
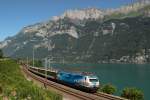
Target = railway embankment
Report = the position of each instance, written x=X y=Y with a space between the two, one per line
x=14 y=86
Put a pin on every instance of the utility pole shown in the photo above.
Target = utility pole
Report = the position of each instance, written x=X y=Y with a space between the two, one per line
x=33 y=57
x=45 y=72
x=49 y=64
x=132 y=3
x=63 y=60
x=27 y=62
x=46 y=67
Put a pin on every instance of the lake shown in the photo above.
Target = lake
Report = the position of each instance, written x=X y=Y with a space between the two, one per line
x=120 y=75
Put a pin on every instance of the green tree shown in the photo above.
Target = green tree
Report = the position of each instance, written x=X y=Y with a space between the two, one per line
x=109 y=89
x=1 y=53
x=132 y=94
x=37 y=63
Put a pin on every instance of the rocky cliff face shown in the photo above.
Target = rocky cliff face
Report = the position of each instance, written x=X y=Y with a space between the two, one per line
x=88 y=35
x=92 y=13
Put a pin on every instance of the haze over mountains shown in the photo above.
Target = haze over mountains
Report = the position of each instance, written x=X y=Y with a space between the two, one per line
x=88 y=35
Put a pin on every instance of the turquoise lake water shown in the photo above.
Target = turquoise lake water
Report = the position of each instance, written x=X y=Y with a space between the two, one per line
x=120 y=75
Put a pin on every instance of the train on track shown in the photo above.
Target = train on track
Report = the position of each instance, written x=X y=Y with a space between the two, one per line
x=83 y=81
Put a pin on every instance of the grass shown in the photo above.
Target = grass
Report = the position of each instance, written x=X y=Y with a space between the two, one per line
x=14 y=86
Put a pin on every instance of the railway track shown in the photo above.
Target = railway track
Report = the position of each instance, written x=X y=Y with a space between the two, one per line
x=79 y=94
x=110 y=97
x=52 y=84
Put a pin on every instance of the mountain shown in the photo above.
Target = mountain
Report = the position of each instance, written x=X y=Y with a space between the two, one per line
x=87 y=35
x=89 y=13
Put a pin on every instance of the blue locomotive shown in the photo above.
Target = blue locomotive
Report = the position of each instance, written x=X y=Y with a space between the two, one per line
x=84 y=81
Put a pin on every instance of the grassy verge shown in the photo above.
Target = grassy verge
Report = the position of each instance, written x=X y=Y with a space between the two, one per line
x=14 y=86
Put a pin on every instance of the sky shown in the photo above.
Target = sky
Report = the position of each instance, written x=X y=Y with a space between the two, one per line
x=16 y=14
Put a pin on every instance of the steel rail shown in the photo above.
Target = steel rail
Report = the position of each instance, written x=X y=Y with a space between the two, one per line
x=108 y=96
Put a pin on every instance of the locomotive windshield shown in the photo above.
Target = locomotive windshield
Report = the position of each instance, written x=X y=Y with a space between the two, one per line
x=93 y=80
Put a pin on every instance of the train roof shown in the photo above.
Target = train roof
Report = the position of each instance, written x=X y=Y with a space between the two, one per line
x=79 y=73
x=68 y=72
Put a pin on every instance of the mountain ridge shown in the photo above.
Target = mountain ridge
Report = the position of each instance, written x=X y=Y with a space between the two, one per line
x=98 y=38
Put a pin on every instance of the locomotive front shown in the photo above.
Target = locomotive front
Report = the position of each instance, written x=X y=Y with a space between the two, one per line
x=92 y=83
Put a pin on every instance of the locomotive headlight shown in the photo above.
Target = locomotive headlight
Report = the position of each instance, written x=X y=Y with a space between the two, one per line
x=98 y=84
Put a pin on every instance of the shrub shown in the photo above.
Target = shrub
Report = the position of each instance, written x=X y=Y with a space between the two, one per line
x=109 y=89
x=1 y=90
x=1 y=53
x=132 y=94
